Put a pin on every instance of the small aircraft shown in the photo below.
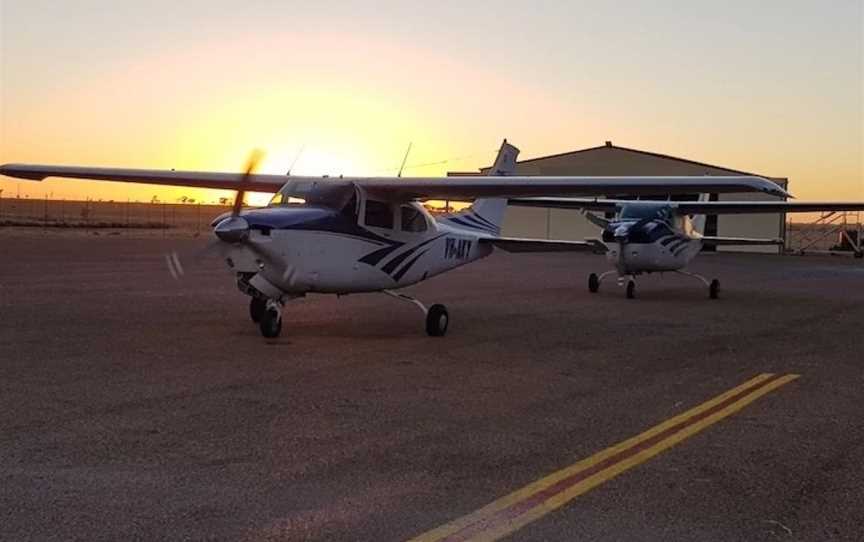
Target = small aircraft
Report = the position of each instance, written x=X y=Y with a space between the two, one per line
x=665 y=236
x=357 y=234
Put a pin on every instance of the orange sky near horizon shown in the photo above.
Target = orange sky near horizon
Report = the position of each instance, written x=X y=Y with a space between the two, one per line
x=352 y=93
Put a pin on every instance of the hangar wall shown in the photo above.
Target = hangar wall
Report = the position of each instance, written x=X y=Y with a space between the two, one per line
x=611 y=160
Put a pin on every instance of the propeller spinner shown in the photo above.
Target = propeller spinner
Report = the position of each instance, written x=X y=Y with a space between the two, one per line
x=235 y=229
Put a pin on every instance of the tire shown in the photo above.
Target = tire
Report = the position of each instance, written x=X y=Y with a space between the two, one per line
x=714 y=289
x=437 y=320
x=257 y=307
x=270 y=324
x=631 y=289
x=859 y=254
x=593 y=283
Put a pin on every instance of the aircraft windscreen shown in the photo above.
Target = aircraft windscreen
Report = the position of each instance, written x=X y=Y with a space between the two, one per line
x=640 y=211
x=329 y=193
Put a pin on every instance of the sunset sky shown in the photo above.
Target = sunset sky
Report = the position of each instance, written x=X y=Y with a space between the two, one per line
x=773 y=87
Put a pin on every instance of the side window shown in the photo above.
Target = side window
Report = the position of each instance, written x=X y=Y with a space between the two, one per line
x=412 y=219
x=378 y=214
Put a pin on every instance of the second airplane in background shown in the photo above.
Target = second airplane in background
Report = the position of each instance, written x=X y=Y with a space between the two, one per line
x=665 y=236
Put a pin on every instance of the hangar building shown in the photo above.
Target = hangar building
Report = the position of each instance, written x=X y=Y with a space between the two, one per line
x=611 y=160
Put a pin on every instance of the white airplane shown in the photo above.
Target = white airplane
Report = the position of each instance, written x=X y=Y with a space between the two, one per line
x=665 y=236
x=352 y=235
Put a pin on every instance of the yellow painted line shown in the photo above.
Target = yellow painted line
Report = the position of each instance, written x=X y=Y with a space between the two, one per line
x=512 y=512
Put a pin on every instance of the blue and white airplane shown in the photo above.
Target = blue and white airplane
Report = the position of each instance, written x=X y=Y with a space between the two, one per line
x=664 y=236
x=359 y=234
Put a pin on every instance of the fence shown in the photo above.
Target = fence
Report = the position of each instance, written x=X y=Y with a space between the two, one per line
x=47 y=213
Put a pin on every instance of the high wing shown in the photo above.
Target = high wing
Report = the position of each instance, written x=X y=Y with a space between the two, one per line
x=170 y=177
x=696 y=207
x=470 y=187
x=602 y=205
x=756 y=207
x=415 y=188
x=514 y=244
x=739 y=241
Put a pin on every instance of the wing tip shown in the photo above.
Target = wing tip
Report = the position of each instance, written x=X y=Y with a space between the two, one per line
x=20 y=171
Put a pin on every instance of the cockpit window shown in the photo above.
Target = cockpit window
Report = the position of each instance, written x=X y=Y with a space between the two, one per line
x=280 y=199
x=378 y=214
x=332 y=193
x=412 y=219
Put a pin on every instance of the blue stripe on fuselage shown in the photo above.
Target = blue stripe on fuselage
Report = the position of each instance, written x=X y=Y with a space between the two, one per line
x=311 y=218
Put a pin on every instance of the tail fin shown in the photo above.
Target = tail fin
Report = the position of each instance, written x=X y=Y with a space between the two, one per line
x=699 y=220
x=492 y=209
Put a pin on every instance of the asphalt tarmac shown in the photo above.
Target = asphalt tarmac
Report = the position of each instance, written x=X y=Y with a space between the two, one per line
x=136 y=407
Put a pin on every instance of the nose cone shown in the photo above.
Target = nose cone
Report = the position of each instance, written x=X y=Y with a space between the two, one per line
x=233 y=229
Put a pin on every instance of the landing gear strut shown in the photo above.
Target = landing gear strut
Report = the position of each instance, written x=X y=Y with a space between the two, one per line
x=713 y=286
x=437 y=317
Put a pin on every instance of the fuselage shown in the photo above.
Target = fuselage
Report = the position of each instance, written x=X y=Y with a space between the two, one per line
x=660 y=248
x=649 y=237
x=302 y=249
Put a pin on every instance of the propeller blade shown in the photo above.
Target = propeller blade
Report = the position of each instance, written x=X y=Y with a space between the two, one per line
x=174 y=259
x=251 y=165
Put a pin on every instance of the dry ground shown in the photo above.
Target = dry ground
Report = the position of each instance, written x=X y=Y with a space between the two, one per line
x=134 y=407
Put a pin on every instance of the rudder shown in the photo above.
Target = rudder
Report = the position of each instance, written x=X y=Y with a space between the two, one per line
x=492 y=209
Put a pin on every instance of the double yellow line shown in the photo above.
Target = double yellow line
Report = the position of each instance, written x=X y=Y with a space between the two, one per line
x=512 y=512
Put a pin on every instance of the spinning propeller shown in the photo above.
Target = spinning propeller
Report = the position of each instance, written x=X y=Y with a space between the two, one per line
x=233 y=229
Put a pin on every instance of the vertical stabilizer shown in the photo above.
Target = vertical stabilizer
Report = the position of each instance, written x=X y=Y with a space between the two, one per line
x=491 y=210
x=699 y=220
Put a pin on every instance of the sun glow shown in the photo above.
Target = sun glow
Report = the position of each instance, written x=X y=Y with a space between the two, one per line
x=352 y=91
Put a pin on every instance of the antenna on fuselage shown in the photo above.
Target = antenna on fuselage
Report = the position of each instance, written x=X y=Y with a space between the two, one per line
x=296 y=158
x=405 y=159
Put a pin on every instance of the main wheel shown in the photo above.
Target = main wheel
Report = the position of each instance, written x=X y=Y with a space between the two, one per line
x=437 y=320
x=593 y=283
x=631 y=289
x=271 y=323
x=257 y=307
x=714 y=289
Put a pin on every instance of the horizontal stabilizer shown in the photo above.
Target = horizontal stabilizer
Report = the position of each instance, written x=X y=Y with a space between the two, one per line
x=514 y=244
x=696 y=207
x=764 y=207
x=739 y=241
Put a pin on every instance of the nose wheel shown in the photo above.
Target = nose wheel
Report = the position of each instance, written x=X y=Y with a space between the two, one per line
x=270 y=322
x=257 y=307
x=631 y=289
